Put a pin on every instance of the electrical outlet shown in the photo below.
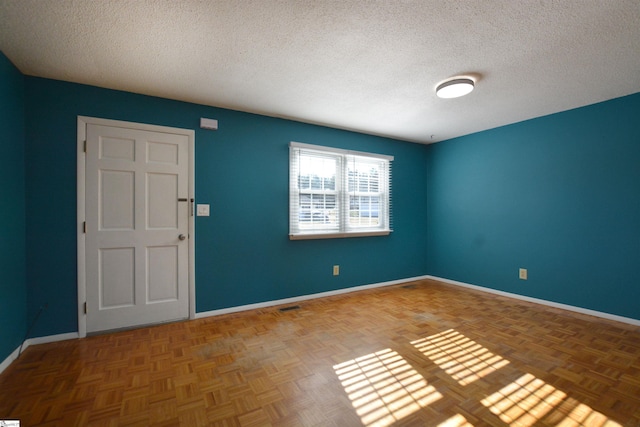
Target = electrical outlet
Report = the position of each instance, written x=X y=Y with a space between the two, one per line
x=336 y=270
x=523 y=274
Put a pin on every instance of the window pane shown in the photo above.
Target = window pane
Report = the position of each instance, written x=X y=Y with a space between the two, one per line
x=318 y=209
x=305 y=201
x=317 y=173
x=304 y=182
x=364 y=176
x=364 y=211
x=374 y=181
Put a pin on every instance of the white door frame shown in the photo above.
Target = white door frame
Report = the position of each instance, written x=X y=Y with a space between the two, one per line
x=81 y=213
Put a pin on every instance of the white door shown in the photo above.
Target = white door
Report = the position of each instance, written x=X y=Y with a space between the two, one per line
x=137 y=227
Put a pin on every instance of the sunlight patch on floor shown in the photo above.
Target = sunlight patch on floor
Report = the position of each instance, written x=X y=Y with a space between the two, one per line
x=528 y=400
x=384 y=388
x=462 y=358
x=456 y=421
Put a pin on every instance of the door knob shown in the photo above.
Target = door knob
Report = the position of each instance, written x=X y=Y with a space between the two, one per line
x=182 y=237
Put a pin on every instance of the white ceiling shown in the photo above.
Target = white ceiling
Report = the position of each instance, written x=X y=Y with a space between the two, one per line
x=370 y=66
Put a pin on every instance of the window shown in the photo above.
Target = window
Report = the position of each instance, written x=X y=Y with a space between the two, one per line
x=338 y=193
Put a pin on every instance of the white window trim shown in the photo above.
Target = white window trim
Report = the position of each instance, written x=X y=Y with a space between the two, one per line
x=296 y=234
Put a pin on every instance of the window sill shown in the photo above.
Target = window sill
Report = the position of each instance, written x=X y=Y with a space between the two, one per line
x=310 y=236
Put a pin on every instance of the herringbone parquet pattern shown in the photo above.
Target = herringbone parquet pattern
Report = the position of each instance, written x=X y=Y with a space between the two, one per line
x=425 y=355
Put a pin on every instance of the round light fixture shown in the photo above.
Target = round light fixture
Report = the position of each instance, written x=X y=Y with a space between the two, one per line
x=454 y=88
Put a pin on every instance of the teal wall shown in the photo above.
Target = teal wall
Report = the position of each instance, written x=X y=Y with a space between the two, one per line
x=243 y=253
x=558 y=195
x=13 y=289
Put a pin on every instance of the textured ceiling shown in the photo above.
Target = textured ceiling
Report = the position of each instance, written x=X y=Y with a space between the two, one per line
x=370 y=66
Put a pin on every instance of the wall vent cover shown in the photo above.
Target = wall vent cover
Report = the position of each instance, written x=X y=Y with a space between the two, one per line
x=292 y=307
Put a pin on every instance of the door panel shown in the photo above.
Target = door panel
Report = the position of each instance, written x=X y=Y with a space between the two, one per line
x=117 y=278
x=116 y=200
x=163 y=274
x=117 y=148
x=160 y=152
x=162 y=194
x=136 y=262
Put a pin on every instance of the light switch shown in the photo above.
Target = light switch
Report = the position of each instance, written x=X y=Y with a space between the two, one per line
x=203 y=210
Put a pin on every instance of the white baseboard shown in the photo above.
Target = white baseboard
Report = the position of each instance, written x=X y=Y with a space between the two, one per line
x=567 y=307
x=304 y=297
x=50 y=338
x=10 y=358
x=33 y=341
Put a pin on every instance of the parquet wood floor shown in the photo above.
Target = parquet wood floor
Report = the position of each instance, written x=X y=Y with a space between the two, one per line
x=430 y=354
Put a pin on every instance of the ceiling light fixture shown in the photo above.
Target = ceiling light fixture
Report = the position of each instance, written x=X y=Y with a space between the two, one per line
x=459 y=86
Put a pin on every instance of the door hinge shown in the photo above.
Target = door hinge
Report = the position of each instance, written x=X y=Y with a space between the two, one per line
x=84 y=227
x=85 y=307
x=84 y=148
